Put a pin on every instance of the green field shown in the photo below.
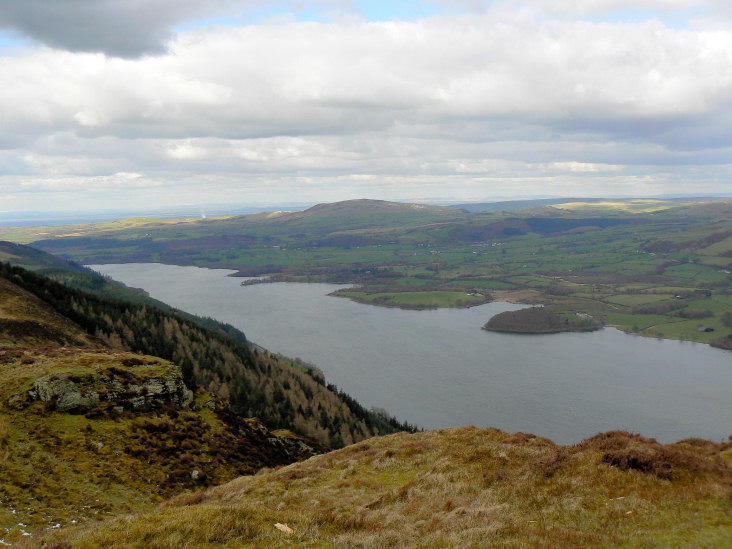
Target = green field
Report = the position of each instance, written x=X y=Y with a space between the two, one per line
x=657 y=268
x=414 y=300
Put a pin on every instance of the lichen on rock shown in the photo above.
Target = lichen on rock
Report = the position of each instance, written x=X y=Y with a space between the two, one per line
x=67 y=391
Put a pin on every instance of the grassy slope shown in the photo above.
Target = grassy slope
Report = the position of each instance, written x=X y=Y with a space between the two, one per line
x=26 y=320
x=60 y=468
x=462 y=487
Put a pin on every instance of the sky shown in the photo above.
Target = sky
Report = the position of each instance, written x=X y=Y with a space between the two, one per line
x=137 y=104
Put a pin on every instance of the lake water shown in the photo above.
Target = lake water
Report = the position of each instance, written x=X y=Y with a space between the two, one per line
x=438 y=368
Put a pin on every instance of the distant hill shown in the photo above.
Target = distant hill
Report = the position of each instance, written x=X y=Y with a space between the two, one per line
x=247 y=242
x=462 y=487
x=364 y=205
x=344 y=217
x=188 y=241
x=509 y=205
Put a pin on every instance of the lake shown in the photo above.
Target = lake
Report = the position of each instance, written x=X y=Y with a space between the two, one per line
x=437 y=368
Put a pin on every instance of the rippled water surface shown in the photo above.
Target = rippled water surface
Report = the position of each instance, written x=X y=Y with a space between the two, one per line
x=439 y=369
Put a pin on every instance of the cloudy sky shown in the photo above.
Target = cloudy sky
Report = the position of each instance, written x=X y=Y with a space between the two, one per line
x=152 y=103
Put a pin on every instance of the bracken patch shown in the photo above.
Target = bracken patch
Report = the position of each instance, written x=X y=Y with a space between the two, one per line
x=628 y=451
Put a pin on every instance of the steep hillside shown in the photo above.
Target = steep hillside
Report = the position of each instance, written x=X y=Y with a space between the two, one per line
x=28 y=257
x=82 y=278
x=71 y=274
x=279 y=392
x=25 y=320
x=87 y=431
x=453 y=488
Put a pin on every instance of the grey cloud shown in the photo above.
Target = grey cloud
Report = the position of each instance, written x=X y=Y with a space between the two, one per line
x=124 y=28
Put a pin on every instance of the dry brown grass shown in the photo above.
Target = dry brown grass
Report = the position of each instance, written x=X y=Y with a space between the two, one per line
x=630 y=451
x=452 y=488
x=58 y=467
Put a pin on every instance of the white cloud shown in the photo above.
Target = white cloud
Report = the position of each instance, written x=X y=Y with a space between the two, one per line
x=594 y=7
x=584 y=167
x=329 y=79
x=306 y=109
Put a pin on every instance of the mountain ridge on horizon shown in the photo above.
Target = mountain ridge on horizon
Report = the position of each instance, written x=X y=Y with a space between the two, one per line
x=72 y=217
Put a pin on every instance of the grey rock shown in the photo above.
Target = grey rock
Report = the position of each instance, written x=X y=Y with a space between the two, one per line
x=81 y=393
x=68 y=394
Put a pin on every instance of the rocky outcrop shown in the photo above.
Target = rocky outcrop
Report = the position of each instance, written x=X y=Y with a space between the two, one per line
x=115 y=387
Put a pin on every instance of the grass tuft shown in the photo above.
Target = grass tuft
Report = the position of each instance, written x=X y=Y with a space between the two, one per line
x=628 y=451
x=462 y=487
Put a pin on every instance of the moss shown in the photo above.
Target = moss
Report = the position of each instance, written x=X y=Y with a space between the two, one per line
x=61 y=467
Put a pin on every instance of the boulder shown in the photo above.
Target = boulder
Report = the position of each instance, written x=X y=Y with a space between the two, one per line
x=82 y=392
